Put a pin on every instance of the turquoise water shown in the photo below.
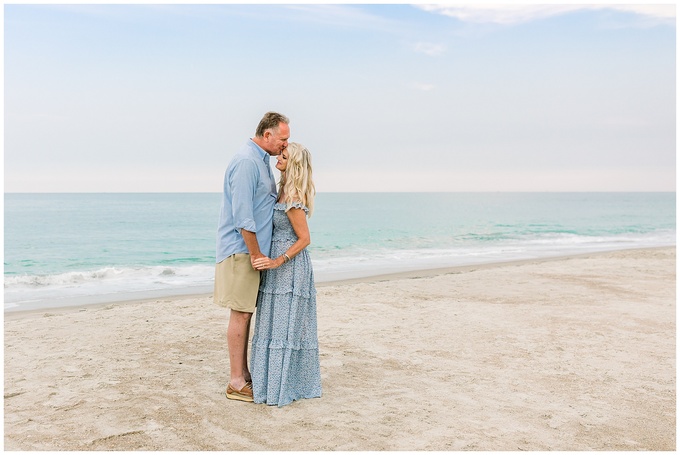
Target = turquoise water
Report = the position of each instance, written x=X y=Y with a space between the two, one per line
x=78 y=248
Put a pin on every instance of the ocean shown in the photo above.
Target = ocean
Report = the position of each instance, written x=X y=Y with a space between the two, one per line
x=72 y=249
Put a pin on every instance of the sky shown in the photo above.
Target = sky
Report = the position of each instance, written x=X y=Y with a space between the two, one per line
x=387 y=97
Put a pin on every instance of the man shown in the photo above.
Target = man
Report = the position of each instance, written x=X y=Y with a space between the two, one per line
x=243 y=235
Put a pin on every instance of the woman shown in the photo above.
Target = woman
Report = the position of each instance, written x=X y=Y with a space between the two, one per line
x=285 y=349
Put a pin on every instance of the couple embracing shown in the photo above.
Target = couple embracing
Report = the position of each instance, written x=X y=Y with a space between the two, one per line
x=262 y=263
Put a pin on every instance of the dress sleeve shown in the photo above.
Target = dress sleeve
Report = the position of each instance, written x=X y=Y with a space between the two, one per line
x=297 y=205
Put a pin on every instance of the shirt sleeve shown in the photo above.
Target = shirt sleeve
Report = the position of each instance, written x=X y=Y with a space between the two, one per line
x=243 y=180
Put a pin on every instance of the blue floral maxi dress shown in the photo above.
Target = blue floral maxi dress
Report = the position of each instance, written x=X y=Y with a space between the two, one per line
x=285 y=347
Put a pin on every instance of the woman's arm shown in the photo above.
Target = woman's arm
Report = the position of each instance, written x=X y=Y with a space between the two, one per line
x=298 y=219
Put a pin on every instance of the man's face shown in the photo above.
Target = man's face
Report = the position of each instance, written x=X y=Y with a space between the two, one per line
x=276 y=139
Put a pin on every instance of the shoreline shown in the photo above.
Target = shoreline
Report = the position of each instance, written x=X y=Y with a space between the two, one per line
x=378 y=277
x=571 y=354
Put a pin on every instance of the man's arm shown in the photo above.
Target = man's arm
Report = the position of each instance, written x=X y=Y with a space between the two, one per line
x=243 y=179
x=251 y=243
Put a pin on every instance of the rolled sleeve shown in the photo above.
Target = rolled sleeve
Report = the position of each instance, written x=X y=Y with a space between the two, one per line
x=247 y=224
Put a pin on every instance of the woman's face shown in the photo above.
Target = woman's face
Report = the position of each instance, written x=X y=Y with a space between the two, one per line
x=282 y=160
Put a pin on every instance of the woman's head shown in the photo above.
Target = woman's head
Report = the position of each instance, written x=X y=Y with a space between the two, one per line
x=295 y=164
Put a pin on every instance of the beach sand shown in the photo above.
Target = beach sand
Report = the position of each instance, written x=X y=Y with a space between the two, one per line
x=574 y=353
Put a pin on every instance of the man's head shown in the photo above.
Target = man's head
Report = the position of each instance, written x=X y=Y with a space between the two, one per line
x=272 y=133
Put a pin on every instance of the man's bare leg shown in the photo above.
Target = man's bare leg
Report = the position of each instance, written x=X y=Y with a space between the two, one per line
x=246 y=370
x=237 y=341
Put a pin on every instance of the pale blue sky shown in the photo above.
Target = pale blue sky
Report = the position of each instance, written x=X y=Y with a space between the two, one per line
x=109 y=98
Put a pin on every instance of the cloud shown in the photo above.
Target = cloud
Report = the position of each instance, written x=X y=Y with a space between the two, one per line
x=337 y=16
x=423 y=87
x=430 y=49
x=658 y=11
x=510 y=14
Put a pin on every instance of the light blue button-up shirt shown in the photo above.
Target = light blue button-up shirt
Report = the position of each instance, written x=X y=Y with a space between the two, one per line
x=247 y=202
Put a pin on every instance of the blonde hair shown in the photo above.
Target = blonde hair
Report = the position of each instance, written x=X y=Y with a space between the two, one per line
x=296 y=181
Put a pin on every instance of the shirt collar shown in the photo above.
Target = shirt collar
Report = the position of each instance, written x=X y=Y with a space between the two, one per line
x=260 y=151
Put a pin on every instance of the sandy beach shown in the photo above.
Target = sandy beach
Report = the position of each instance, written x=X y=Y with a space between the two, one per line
x=573 y=353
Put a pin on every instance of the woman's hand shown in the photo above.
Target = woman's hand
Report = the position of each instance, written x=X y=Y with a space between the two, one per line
x=265 y=263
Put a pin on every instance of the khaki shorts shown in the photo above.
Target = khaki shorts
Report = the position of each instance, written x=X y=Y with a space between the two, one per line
x=236 y=283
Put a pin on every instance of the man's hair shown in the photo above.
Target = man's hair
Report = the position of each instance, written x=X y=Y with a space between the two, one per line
x=270 y=120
